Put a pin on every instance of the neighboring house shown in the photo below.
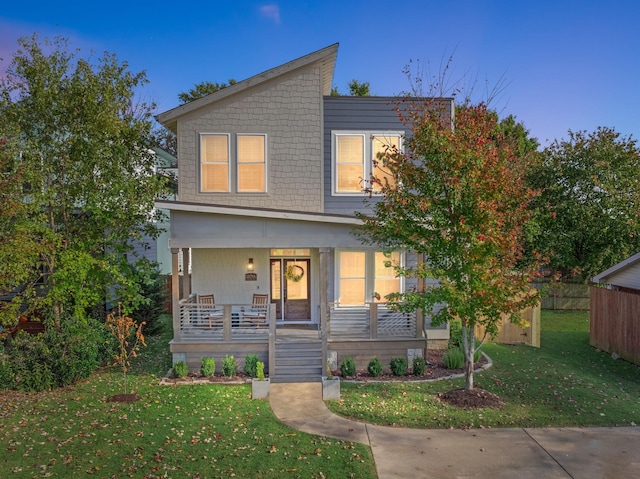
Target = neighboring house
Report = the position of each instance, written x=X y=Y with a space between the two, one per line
x=156 y=250
x=614 y=315
x=271 y=174
x=624 y=276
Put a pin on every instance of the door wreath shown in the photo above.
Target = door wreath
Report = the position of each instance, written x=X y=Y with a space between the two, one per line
x=294 y=273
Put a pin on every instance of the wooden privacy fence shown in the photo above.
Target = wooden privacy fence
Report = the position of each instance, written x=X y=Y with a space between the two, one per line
x=614 y=323
x=509 y=333
x=563 y=295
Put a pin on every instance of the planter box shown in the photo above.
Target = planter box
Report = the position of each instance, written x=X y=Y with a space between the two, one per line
x=330 y=388
x=260 y=389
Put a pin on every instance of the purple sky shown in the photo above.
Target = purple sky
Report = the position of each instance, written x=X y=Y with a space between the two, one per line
x=562 y=65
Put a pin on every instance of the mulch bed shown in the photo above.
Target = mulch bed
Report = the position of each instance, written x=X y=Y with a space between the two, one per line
x=474 y=399
x=435 y=369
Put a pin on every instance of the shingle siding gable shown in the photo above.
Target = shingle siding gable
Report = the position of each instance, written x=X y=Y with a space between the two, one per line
x=289 y=111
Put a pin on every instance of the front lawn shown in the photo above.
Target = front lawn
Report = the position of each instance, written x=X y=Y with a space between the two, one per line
x=186 y=431
x=564 y=383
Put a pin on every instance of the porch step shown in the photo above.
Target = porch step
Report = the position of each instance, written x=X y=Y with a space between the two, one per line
x=298 y=361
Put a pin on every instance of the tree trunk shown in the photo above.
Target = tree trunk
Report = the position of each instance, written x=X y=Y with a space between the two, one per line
x=468 y=371
x=468 y=344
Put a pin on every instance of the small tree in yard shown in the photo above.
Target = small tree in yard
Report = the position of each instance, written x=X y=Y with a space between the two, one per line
x=128 y=336
x=458 y=198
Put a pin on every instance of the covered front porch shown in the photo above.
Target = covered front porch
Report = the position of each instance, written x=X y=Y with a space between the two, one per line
x=295 y=352
x=300 y=262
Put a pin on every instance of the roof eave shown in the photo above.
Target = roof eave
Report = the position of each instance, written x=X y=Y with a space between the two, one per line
x=257 y=212
x=326 y=56
x=602 y=277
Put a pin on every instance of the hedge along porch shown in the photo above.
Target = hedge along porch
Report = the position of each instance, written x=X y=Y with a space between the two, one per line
x=223 y=240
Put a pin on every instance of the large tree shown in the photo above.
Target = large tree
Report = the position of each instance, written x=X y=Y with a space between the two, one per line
x=78 y=163
x=588 y=213
x=203 y=89
x=356 y=88
x=165 y=138
x=458 y=198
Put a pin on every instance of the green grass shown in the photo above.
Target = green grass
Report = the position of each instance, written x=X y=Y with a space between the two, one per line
x=184 y=431
x=564 y=383
x=218 y=431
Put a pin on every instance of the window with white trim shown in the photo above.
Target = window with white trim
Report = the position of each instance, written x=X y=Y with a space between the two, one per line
x=239 y=164
x=214 y=163
x=355 y=158
x=251 y=163
x=364 y=276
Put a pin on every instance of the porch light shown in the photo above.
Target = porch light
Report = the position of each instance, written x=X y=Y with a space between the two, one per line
x=250 y=265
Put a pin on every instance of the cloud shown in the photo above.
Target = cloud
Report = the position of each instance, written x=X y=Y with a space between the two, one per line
x=271 y=11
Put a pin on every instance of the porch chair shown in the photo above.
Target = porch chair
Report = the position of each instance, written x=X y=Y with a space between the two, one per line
x=206 y=313
x=256 y=315
x=206 y=299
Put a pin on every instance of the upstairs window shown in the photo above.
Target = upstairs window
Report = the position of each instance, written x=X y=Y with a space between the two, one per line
x=355 y=160
x=227 y=163
x=349 y=161
x=251 y=164
x=379 y=146
x=214 y=163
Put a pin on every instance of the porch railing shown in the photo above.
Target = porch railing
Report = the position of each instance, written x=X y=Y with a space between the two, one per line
x=224 y=322
x=369 y=321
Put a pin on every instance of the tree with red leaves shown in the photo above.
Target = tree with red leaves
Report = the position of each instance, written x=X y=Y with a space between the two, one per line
x=457 y=197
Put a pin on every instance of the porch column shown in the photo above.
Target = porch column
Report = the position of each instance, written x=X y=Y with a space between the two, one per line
x=175 y=293
x=272 y=341
x=324 y=303
x=373 y=320
x=186 y=277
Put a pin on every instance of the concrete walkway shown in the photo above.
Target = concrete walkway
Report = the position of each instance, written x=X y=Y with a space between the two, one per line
x=579 y=453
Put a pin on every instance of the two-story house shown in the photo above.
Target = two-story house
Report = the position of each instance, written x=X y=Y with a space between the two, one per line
x=271 y=172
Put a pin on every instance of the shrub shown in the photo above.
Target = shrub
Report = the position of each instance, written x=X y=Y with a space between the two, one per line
x=348 y=367
x=250 y=364
x=207 y=367
x=455 y=333
x=7 y=376
x=180 y=369
x=60 y=356
x=229 y=366
x=375 y=367
x=399 y=366
x=151 y=285
x=260 y=370
x=453 y=358
x=78 y=348
x=419 y=365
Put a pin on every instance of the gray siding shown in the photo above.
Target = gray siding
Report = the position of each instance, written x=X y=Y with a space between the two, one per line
x=365 y=114
x=147 y=247
x=353 y=113
x=628 y=277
